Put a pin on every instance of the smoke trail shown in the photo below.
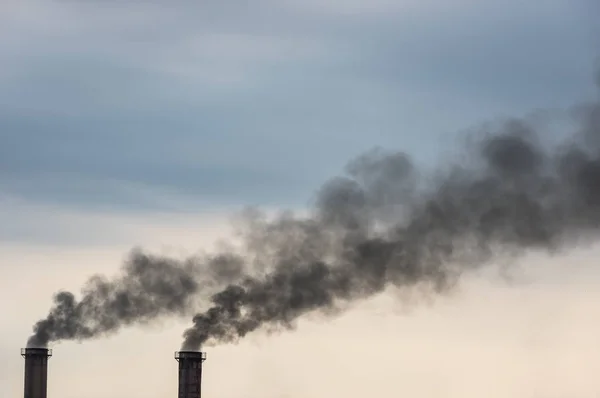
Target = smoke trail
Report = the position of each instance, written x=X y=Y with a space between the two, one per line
x=387 y=224
x=149 y=287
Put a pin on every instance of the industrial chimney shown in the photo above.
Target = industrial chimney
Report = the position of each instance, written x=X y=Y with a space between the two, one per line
x=36 y=371
x=190 y=373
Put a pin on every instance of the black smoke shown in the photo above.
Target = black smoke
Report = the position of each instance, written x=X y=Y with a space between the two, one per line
x=148 y=287
x=389 y=224
x=385 y=223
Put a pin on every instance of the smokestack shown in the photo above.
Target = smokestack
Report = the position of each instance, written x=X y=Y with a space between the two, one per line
x=190 y=373
x=36 y=371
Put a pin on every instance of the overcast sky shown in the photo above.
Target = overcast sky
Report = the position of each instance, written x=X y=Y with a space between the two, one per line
x=148 y=122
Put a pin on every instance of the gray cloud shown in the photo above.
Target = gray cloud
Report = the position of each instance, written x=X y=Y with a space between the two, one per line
x=220 y=100
x=385 y=223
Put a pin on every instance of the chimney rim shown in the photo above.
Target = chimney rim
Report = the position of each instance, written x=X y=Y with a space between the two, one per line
x=189 y=354
x=36 y=352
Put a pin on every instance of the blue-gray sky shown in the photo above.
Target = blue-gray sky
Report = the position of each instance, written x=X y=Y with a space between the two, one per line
x=120 y=104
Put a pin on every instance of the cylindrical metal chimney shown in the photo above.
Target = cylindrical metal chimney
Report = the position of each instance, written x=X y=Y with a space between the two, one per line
x=36 y=371
x=190 y=373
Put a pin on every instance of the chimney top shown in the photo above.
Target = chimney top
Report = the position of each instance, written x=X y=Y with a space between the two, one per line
x=197 y=355
x=37 y=352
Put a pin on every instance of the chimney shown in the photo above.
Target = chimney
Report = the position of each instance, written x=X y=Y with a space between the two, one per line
x=36 y=371
x=190 y=373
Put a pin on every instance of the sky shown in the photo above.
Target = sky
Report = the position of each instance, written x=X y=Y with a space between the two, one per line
x=146 y=123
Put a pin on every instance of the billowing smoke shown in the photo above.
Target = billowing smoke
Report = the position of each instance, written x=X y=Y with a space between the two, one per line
x=386 y=224
x=148 y=287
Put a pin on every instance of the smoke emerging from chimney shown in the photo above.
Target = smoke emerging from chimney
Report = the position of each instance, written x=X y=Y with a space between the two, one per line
x=385 y=224
x=148 y=287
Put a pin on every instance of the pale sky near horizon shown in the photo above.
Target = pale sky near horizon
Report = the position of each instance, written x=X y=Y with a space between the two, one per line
x=137 y=123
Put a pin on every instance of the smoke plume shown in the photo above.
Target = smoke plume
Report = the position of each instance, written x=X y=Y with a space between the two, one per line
x=148 y=287
x=387 y=224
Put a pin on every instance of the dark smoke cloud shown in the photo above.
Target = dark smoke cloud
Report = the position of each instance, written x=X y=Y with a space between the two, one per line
x=148 y=287
x=387 y=224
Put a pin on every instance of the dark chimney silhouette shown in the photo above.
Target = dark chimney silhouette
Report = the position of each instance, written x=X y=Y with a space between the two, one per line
x=36 y=371
x=190 y=373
